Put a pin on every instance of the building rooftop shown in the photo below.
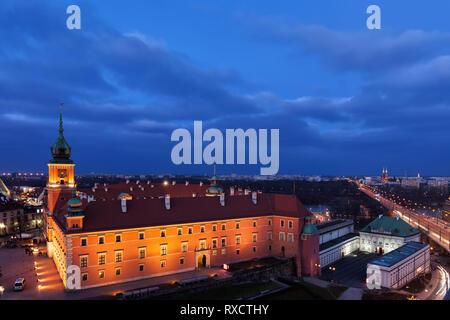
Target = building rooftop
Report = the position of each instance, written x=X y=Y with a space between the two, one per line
x=399 y=254
x=390 y=225
x=107 y=214
x=334 y=223
x=336 y=241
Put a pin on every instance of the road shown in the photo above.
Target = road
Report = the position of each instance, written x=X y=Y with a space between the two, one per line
x=436 y=229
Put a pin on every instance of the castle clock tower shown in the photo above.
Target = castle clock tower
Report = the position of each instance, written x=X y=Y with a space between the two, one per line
x=61 y=181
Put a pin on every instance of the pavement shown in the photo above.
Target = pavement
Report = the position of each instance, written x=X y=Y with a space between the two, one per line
x=352 y=294
x=350 y=270
x=349 y=294
x=41 y=276
x=43 y=281
x=317 y=282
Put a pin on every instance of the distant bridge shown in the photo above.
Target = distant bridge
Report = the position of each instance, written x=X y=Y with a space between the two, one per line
x=436 y=229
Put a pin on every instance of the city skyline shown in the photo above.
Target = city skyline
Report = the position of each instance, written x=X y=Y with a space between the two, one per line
x=347 y=100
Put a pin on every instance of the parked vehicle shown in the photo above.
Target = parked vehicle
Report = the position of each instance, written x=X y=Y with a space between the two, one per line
x=19 y=285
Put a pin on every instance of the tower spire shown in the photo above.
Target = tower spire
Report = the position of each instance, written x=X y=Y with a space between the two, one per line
x=61 y=129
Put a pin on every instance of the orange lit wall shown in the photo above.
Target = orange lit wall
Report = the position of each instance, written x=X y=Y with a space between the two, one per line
x=130 y=244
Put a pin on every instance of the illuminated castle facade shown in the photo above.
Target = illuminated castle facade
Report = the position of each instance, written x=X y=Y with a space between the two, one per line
x=131 y=231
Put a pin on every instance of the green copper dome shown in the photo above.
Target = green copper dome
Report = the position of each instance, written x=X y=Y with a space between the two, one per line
x=309 y=228
x=214 y=189
x=75 y=205
x=61 y=149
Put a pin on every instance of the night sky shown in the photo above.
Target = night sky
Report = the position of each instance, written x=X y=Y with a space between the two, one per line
x=347 y=100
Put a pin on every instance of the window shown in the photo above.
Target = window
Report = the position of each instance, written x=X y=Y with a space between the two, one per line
x=214 y=253
x=269 y=235
x=83 y=242
x=184 y=246
x=141 y=267
x=237 y=251
x=141 y=235
x=118 y=271
x=101 y=258
x=202 y=244
x=282 y=236
x=223 y=226
x=163 y=249
x=238 y=239
x=224 y=251
x=290 y=224
x=282 y=223
x=214 y=228
x=118 y=238
x=101 y=239
x=119 y=255
x=270 y=248
x=214 y=243
x=290 y=237
x=83 y=261
x=254 y=224
x=182 y=260
x=254 y=249
x=237 y=225
x=254 y=237
x=142 y=253
x=179 y=231
x=101 y=274
x=84 y=276
x=190 y=230
x=224 y=242
x=163 y=233
x=202 y=229
x=163 y=263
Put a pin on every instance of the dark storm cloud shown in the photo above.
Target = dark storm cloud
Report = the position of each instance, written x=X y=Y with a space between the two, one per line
x=88 y=69
x=125 y=93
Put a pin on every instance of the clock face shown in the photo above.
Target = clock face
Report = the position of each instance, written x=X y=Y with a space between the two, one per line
x=62 y=173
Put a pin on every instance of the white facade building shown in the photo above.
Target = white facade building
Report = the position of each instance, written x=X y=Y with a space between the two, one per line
x=385 y=234
x=397 y=268
x=337 y=239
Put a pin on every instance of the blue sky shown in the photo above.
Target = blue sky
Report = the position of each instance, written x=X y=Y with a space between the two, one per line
x=347 y=100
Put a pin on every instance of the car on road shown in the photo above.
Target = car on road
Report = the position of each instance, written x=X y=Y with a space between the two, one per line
x=19 y=285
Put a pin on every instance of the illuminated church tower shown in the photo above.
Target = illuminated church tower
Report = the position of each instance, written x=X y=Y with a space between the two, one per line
x=61 y=181
x=384 y=177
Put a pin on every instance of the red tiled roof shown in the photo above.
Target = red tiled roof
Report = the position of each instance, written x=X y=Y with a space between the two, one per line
x=158 y=190
x=107 y=215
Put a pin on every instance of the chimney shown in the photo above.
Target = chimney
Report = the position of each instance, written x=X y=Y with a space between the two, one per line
x=187 y=183
x=222 y=200
x=167 y=201
x=124 y=205
x=231 y=191
x=254 y=197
